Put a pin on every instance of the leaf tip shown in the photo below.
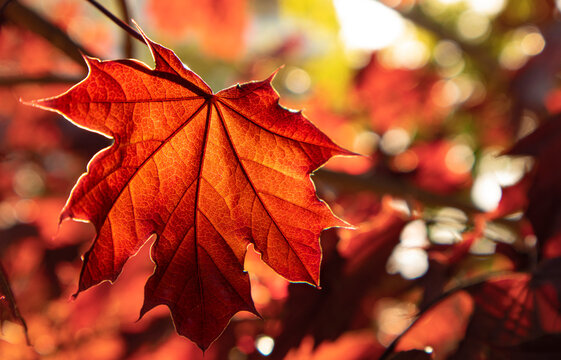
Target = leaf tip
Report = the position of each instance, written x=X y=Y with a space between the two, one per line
x=272 y=76
x=33 y=103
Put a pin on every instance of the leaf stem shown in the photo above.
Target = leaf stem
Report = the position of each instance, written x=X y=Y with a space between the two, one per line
x=117 y=21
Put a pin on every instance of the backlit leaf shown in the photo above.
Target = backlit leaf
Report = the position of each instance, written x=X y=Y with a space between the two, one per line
x=208 y=173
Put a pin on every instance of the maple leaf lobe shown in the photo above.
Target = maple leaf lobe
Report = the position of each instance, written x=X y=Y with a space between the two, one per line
x=208 y=173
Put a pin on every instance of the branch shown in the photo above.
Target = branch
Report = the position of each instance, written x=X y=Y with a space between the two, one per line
x=117 y=21
x=385 y=185
x=46 y=79
x=24 y=17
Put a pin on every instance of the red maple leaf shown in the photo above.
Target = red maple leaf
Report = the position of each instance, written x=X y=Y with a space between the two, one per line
x=208 y=173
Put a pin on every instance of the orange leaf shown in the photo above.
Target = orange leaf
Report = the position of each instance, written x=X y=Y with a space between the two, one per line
x=208 y=173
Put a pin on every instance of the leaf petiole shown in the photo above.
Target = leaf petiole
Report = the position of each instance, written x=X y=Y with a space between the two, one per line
x=117 y=21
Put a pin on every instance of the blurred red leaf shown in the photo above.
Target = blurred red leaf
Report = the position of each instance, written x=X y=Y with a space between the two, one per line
x=358 y=345
x=327 y=314
x=340 y=128
x=435 y=167
x=553 y=101
x=209 y=173
x=501 y=313
x=219 y=25
x=409 y=104
x=544 y=195
x=513 y=199
x=441 y=328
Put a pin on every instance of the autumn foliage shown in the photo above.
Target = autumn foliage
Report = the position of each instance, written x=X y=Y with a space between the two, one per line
x=409 y=211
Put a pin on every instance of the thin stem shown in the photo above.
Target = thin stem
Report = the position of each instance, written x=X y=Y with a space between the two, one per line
x=117 y=21
x=127 y=41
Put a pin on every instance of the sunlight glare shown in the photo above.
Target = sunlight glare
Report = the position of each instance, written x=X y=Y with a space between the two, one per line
x=444 y=235
x=449 y=2
x=367 y=24
x=395 y=141
x=507 y=170
x=265 y=345
x=486 y=192
x=411 y=263
x=414 y=234
x=487 y=7
x=408 y=51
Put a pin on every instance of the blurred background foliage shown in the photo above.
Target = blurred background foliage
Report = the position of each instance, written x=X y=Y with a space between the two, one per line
x=432 y=93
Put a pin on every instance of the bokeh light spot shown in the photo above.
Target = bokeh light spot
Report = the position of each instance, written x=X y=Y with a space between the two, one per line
x=473 y=26
x=395 y=141
x=459 y=159
x=414 y=234
x=486 y=192
x=411 y=263
x=265 y=345
x=487 y=7
x=298 y=81
x=367 y=24
x=447 y=53
x=532 y=44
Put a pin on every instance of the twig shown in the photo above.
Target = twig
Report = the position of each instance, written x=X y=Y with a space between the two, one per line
x=24 y=17
x=6 y=291
x=46 y=79
x=384 y=185
x=117 y=21
x=127 y=41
